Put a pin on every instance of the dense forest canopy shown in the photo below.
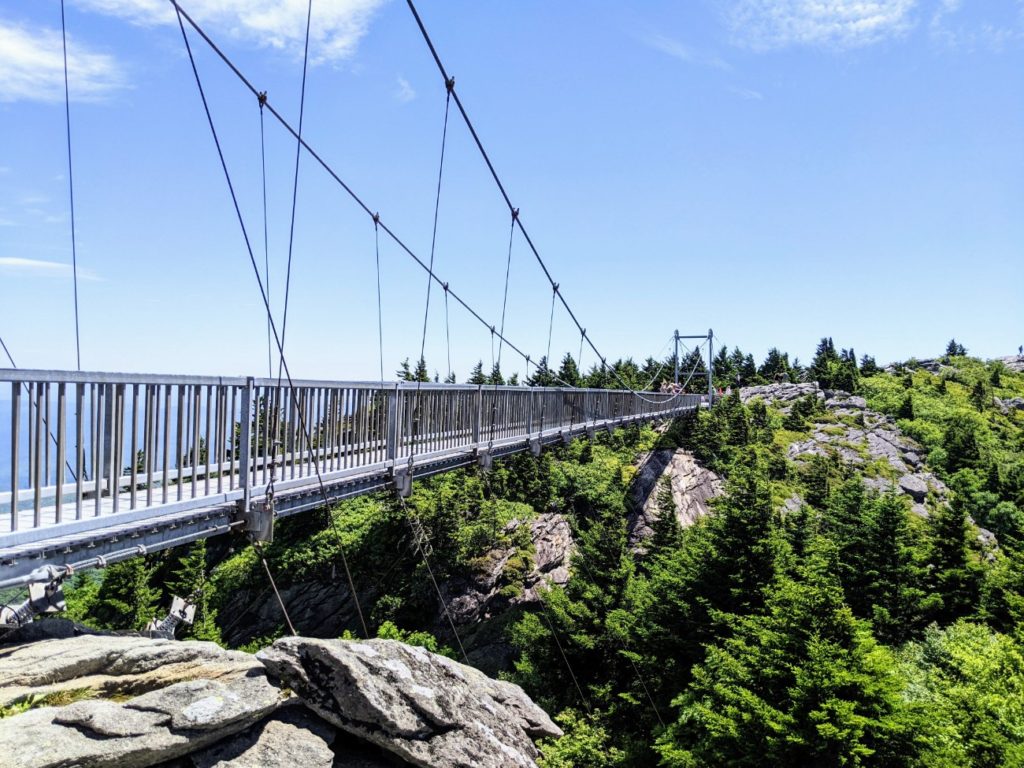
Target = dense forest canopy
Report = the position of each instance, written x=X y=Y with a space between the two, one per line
x=841 y=630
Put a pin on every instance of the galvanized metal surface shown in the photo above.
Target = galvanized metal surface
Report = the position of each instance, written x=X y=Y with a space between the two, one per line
x=100 y=458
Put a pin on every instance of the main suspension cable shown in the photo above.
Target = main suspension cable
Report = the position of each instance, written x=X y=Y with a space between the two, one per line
x=334 y=175
x=263 y=294
x=508 y=201
x=71 y=186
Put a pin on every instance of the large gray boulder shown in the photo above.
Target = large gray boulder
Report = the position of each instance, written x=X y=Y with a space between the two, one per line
x=149 y=729
x=113 y=665
x=292 y=736
x=425 y=708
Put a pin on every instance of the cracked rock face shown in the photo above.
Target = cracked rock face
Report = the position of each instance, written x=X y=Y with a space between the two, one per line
x=425 y=708
x=874 y=437
x=693 y=487
x=157 y=726
x=108 y=665
x=783 y=395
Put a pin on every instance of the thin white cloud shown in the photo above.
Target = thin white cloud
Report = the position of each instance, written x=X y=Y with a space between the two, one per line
x=405 y=92
x=678 y=50
x=834 y=24
x=1003 y=25
x=12 y=265
x=32 y=67
x=747 y=93
x=335 y=29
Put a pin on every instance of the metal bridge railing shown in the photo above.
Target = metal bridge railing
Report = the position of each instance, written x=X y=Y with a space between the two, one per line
x=83 y=446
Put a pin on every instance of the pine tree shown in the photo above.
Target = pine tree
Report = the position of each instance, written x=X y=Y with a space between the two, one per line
x=190 y=581
x=804 y=684
x=126 y=600
x=476 y=376
x=666 y=534
x=404 y=372
x=421 y=373
x=893 y=578
x=775 y=366
x=495 y=377
x=953 y=349
x=956 y=573
x=568 y=373
x=825 y=363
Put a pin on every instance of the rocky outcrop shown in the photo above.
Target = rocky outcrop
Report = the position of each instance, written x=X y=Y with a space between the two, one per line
x=1013 y=362
x=693 y=487
x=427 y=709
x=107 y=666
x=781 y=395
x=860 y=437
x=145 y=730
x=132 y=701
x=1009 y=404
x=486 y=591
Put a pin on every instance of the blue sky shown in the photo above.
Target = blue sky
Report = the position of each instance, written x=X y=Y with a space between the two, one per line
x=774 y=169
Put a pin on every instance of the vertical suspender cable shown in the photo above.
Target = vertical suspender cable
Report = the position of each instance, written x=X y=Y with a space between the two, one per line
x=380 y=311
x=437 y=207
x=295 y=189
x=508 y=268
x=263 y=295
x=71 y=185
x=266 y=241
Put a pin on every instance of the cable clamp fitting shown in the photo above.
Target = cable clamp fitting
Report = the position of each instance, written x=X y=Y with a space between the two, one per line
x=492 y=330
x=554 y=287
x=515 y=214
x=262 y=98
x=445 y=286
x=449 y=84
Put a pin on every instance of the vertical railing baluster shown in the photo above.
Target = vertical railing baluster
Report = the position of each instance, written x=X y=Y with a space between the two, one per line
x=15 y=440
x=99 y=392
x=61 y=446
x=37 y=466
x=244 y=443
x=114 y=483
x=149 y=440
x=79 y=448
x=165 y=461
x=209 y=440
x=134 y=458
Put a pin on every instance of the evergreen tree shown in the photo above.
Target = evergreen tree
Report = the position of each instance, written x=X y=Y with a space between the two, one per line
x=893 y=578
x=775 y=366
x=868 y=366
x=421 y=374
x=126 y=600
x=666 y=534
x=568 y=373
x=542 y=376
x=476 y=376
x=824 y=364
x=190 y=582
x=805 y=684
x=953 y=349
x=955 y=570
x=404 y=372
x=495 y=377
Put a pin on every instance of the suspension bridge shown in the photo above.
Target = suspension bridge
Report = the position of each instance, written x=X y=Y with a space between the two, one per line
x=107 y=466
